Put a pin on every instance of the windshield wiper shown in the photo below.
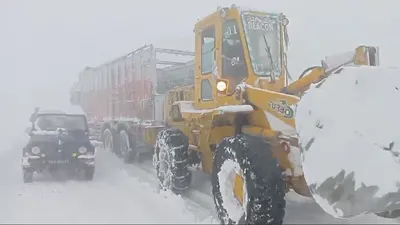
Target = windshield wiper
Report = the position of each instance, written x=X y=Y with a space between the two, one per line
x=268 y=50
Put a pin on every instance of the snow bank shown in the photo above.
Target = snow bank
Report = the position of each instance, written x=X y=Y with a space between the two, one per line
x=349 y=130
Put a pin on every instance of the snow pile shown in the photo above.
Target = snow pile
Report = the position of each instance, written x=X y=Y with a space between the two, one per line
x=188 y=107
x=349 y=131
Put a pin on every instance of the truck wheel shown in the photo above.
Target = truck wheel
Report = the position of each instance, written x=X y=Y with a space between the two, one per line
x=171 y=160
x=389 y=214
x=108 y=141
x=127 y=153
x=88 y=173
x=247 y=182
x=27 y=175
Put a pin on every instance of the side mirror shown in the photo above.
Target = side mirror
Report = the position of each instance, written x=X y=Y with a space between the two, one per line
x=34 y=115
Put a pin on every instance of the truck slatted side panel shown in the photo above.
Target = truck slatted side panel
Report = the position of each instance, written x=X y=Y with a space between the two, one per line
x=171 y=77
x=124 y=87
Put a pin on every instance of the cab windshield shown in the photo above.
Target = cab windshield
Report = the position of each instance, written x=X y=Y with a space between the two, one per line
x=263 y=39
x=52 y=122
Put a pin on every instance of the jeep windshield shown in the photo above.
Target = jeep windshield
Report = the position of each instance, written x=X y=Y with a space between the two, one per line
x=52 y=122
x=263 y=39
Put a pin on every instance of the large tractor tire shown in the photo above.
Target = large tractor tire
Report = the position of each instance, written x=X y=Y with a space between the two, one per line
x=171 y=160
x=247 y=182
x=108 y=139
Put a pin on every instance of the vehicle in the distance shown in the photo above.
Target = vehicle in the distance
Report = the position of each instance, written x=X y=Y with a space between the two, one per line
x=59 y=140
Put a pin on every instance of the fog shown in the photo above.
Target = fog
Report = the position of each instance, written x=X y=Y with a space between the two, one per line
x=46 y=43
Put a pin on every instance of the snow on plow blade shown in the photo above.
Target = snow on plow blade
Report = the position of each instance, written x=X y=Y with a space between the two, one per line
x=349 y=131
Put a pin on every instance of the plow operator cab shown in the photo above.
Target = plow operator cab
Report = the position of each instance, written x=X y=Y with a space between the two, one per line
x=234 y=45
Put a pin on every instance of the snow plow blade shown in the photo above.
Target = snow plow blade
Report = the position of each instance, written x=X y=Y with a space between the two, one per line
x=348 y=130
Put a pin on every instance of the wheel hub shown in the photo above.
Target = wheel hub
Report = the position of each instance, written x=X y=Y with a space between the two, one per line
x=239 y=188
x=233 y=189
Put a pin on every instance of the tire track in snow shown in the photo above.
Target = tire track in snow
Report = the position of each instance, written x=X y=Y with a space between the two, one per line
x=110 y=198
x=113 y=196
x=299 y=209
x=195 y=200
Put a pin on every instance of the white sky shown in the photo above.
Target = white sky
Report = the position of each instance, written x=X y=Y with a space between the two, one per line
x=44 y=44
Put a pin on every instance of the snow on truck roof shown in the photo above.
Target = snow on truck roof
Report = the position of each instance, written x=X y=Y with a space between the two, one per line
x=69 y=110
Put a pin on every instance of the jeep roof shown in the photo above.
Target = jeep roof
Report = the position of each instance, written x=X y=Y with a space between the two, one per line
x=69 y=110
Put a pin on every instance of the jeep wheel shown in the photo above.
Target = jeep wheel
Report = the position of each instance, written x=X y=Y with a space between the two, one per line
x=88 y=173
x=108 y=141
x=171 y=160
x=247 y=182
x=27 y=175
x=125 y=150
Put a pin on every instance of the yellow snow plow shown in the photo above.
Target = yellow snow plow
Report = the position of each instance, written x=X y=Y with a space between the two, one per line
x=324 y=136
x=253 y=103
x=259 y=136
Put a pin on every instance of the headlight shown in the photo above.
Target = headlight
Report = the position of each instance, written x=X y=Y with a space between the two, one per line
x=82 y=150
x=221 y=86
x=35 y=150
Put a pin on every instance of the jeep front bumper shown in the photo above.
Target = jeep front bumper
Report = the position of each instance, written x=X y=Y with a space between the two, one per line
x=37 y=162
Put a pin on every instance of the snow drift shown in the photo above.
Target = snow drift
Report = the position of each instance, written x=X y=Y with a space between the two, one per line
x=348 y=128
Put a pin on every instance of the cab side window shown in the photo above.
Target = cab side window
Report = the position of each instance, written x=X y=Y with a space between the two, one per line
x=206 y=90
x=233 y=62
x=207 y=50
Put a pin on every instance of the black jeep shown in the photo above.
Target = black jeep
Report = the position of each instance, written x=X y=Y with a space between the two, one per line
x=58 y=140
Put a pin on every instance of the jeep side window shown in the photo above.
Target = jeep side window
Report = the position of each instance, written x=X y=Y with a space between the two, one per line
x=233 y=63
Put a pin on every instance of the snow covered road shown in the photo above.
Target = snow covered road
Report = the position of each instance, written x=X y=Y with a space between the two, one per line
x=123 y=194
x=112 y=197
